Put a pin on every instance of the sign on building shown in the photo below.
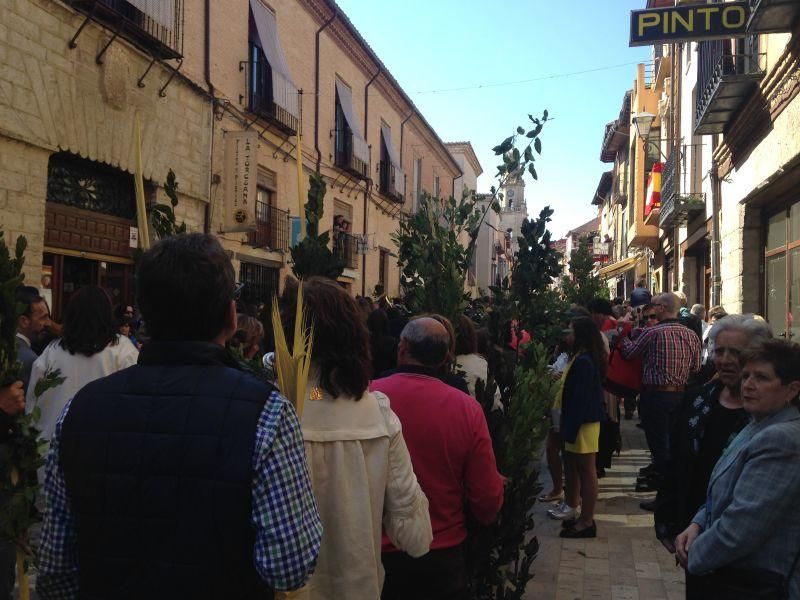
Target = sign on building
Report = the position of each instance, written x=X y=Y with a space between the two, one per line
x=241 y=176
x=685 y=23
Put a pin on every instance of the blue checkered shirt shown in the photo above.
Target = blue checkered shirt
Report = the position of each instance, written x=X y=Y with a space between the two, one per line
x=285 y=518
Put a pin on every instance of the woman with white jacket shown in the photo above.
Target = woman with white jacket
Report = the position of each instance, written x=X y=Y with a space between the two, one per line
x=358 y=461
x=90 y=348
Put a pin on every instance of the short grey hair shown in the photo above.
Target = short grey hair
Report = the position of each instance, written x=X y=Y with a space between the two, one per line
x=698 y=310
x=755 y=329
x=427 y=341
x=670 y=302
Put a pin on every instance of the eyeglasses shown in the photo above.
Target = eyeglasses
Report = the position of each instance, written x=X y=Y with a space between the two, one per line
x=237 y=290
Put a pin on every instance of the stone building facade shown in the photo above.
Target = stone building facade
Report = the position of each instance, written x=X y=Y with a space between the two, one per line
x=76 y=76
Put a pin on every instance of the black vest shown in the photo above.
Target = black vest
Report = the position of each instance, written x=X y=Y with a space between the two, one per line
x=158 y=464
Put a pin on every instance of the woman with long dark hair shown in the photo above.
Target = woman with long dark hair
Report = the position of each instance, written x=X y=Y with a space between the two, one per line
x=581 y=413
x=91 y=347
x=358 y=461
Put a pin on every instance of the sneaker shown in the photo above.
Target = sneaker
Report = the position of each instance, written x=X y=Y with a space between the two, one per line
x=562 y=511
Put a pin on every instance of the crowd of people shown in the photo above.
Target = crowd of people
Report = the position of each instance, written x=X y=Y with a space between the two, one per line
x=173 y=471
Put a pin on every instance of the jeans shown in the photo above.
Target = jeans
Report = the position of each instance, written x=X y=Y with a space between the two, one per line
x=659 y=411
x=438 y=575
x=8 y=561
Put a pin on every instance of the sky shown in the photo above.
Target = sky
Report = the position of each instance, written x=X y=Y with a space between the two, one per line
x=576 y=51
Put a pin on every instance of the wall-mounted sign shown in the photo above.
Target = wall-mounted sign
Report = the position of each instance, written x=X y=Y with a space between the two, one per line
x=241 y=176
x=689 y=22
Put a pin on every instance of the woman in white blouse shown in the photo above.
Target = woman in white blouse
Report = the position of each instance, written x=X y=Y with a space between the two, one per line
x=358 y=461
x=90 y=348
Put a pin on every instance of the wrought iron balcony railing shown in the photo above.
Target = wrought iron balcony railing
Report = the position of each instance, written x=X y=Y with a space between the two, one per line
x=724 y=81
x=272 y=228
x=345 y=157
x=346 y=248
x=389 y=186
x=678 y=200
x=772 y=16
x=154 y=25
x=260 y=102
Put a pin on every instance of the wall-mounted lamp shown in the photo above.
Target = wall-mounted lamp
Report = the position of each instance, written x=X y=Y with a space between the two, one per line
x=643 y=123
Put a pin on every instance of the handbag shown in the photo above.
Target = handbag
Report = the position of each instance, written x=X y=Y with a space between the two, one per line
x=624 y=376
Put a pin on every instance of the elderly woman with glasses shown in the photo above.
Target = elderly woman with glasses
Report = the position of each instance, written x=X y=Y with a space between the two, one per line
x=745 y=539
x=712 y=414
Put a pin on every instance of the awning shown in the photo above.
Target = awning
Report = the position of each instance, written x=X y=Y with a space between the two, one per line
x=161 y=11
x=399 y=175
x=284 y=91
x=619 y=267
x=360 y=148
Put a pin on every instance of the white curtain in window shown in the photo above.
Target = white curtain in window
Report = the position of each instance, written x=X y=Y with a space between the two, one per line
x=284 y=91
x=360 y=148
x=394 y=157
x=161 y=11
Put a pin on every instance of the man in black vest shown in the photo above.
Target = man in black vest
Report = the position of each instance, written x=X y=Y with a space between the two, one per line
x=183 y=476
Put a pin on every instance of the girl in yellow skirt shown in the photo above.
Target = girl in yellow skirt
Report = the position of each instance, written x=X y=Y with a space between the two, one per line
x=581 y=413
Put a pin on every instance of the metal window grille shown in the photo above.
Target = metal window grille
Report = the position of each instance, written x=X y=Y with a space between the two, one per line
x=260 y=282
x=272 y=227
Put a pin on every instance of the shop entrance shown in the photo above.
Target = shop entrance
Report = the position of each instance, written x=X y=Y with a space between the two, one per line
x=68 y=274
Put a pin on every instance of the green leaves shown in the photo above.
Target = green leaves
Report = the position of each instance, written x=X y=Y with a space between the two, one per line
x=162 y=216
x=583 y=285
x=537 y=144
x=312 y=256
x=51 y=379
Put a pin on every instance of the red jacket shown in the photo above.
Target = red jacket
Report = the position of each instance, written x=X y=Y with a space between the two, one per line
x=448 y=439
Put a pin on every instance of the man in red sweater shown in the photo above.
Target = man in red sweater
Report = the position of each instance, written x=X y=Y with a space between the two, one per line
x=448 y=439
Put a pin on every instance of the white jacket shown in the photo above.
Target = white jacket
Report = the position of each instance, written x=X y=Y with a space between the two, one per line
x=78 y=370
x=362 y=478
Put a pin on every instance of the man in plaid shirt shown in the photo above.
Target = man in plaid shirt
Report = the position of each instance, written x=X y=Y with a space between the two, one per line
x=671 y=354
x=182 y=476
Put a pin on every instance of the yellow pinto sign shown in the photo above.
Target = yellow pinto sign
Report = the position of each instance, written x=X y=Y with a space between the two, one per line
x=689 y=22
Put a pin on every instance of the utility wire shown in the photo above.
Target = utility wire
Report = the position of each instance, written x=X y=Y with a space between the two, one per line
x=522 y=81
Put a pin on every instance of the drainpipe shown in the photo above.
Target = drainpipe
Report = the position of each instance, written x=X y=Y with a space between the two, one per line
x=316 y=84
x=366 y=189
x=207 y=72
x=716 y=208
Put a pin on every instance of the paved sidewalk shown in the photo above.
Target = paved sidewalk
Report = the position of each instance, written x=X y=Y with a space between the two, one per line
x=625 y=561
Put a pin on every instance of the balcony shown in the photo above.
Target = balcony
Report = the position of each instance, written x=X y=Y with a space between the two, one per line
x=724 y=81
x=260 y=102
x=772 y=16
x=272 y=228
x=345 y=157
x=389 y=184
x=154 y=26
x=346 y=249
x=678 y=205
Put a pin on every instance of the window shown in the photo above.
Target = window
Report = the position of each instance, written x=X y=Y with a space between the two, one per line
x=383 y=268
x=417 y=179
x=260 y=282
x=782 y=271
x=350 y=148
x=436 y=189
x=271 y=92
x=153 y=25
x=272 y=224
x=392 y=177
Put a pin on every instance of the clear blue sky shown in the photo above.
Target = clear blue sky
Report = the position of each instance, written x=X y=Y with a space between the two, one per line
x=443 y=44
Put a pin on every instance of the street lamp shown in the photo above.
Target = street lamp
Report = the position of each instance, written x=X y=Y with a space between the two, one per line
x=643 y=122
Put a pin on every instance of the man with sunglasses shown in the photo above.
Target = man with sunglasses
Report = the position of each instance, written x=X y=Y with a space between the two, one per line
x=671 y=354
x=182 y=476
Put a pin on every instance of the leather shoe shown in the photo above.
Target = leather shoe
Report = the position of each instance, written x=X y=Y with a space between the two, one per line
x=649 y=506
x=568 y=524
x=572 y=533
x=651 y=468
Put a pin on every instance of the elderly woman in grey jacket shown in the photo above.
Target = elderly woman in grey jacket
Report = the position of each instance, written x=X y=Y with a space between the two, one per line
x=746 y=537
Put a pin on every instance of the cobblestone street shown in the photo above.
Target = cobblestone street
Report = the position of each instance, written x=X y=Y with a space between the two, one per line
x=625 y=561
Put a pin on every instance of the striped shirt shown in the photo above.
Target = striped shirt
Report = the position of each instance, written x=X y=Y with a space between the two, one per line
x=670 y=352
